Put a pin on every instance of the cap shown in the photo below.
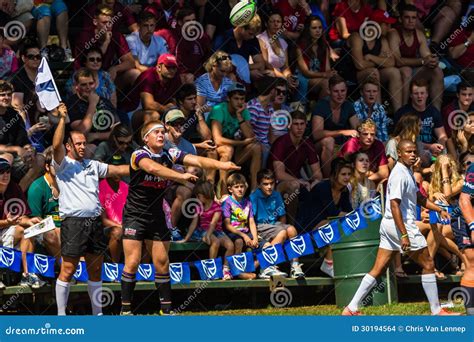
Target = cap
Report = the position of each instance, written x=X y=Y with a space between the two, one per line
x=168 y=60
x=236 y=87
x=173 y=115
x=381 y=16
x=4 y=164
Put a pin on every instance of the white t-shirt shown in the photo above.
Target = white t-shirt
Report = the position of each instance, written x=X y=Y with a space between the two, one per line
x=402 y=186
x=147 y=55
x=78 y=183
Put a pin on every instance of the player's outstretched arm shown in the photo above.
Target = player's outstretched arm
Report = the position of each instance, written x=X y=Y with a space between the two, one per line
x=208 y=163
x=159 y=170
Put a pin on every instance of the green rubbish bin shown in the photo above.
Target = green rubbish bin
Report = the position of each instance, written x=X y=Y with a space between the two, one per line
x=354 y=256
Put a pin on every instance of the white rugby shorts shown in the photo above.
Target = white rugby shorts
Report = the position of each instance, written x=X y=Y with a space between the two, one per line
x=390 y=236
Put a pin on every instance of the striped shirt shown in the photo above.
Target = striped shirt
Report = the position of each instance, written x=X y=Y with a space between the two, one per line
x=205 y=89
x=260 y=120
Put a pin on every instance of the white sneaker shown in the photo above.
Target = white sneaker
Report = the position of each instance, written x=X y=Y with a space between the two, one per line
x=328 y=269
x=2 y=286
x=297 y=271
x=267 y=272
x=68 y=55
x=279 y=273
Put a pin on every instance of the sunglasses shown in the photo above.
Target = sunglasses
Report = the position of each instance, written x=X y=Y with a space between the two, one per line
x=35 y=57
x=7 y=170
x=123 y=142
x=224 y=58
x=95 y=59
x=5 y=94
x=467 y=163
x=280 y=92
x=177 y=123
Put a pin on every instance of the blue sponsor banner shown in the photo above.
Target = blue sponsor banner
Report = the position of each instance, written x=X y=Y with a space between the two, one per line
x=112 y=271
x=10 y=258
x=299 y=246
x=435 y=216
x=180 y=273
x=190 y=328
x=209 y=269
x=241 y=263
x=271 y=256
x=146 y=272
x=81 y=272
x=40 y=264
x=327 y=234
x=354 y=221
x=372 y=209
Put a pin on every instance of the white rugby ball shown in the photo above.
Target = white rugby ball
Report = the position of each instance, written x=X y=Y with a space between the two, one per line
x=242 y=13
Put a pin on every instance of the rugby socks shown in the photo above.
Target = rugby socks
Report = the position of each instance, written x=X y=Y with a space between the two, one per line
x=367 y=283
x=163 y=285
x=128 y=286
x=431 y=290
x=94 y=288
x=62 y=294
x=467 y=293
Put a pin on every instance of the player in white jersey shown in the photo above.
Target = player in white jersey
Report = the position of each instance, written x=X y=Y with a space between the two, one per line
x=398 y=231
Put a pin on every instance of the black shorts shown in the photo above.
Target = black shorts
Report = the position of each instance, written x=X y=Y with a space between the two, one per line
x=141 y=229
x=82 y=235
x=461 y=232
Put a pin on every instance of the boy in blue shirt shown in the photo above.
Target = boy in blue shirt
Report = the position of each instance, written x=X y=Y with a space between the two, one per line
x=270 y=216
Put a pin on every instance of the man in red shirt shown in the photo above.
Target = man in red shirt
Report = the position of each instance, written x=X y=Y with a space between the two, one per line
x=156 y=87
x=374 y=148
x=288 y=154
x=348 y=17
x=461 y=49
x=117 y=59
x=294 y=13
x=124 y=17
x=413 y=57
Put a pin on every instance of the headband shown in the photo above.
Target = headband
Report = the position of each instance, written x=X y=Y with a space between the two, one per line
x=155 y=127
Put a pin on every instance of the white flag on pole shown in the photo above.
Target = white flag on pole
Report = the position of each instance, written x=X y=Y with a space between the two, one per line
x=45 y=87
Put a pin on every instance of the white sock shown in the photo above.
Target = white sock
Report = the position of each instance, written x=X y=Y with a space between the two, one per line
x=94 y=288
x=62 y=294
x=364 y=288
x=431 y=290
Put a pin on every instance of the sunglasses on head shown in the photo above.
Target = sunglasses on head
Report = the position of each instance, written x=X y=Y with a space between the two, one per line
x=34 y=57
x=224 y=58
x=95 y=59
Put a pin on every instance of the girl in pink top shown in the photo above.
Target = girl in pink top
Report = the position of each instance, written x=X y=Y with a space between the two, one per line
x=112 y=196
x=207 y=225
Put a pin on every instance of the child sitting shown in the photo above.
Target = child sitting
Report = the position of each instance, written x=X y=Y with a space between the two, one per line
x=269 y=212
x=207 y=225
x=238 y=217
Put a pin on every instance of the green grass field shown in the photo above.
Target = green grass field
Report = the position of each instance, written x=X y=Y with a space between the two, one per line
x=402 y=309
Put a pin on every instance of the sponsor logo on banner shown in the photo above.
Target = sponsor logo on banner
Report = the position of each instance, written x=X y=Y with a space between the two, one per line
x=7 y=256
x=111 y=270
x=240 y=262
x=176 y=272
x=298 y=244
x=78 y=270
x=270 y=254
x=326 y=237
x=145 y=270
x=41 y=263
x=209 y=267
x=353 y=220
